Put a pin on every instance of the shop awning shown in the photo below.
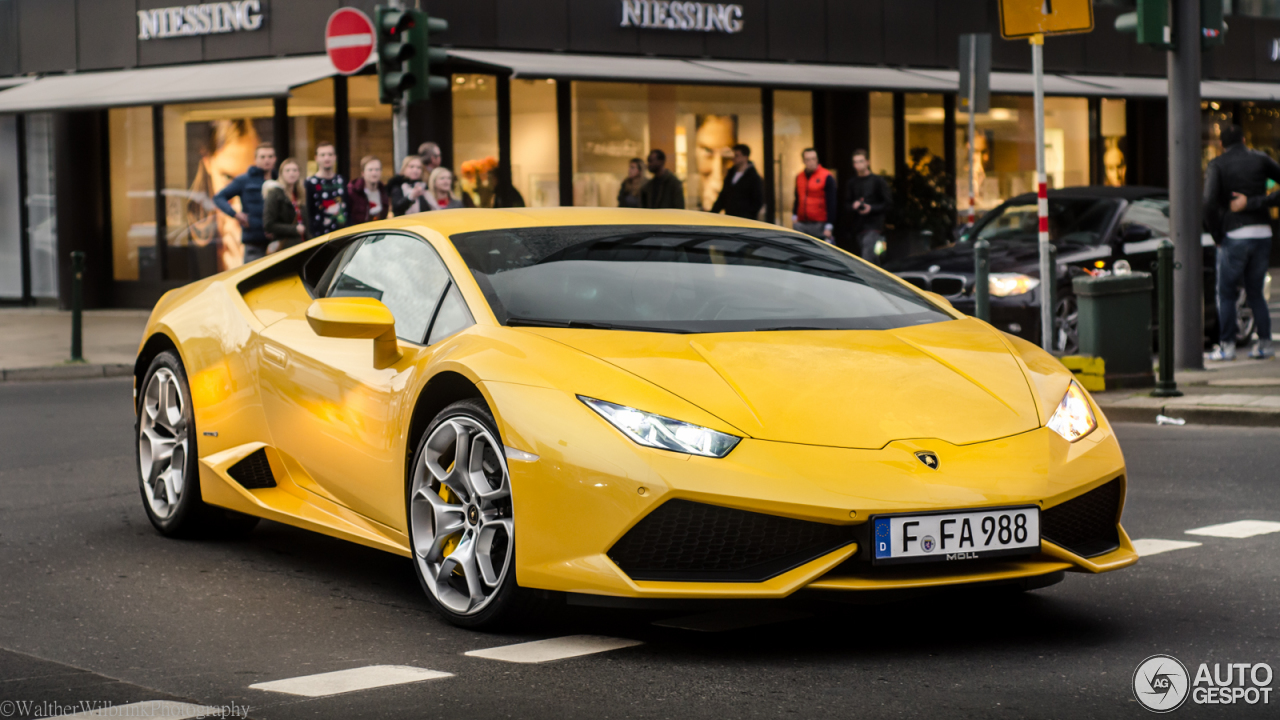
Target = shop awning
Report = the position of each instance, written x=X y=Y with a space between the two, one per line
x=272 y=77
x=801 y=75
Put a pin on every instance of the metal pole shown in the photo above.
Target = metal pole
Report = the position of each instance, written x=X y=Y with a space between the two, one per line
x=1184 y=185
x=1047 y=275
x=77 y=305
x=400 y=130
x=982 y=280
x=973 y=84
x=1165 y=385
x=1051 y=297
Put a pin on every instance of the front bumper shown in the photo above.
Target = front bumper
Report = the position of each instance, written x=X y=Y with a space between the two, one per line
x=590 y=486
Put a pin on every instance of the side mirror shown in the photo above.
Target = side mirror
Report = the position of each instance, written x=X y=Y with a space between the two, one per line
x=357 y=318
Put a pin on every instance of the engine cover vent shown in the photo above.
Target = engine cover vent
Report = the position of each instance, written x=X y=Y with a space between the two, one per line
x=253 y=472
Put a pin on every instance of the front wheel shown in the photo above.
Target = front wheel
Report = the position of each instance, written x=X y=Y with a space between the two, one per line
x=461 y=525
x=1066 y=336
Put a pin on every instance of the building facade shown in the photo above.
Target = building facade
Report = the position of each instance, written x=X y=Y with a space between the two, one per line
x=114 y=136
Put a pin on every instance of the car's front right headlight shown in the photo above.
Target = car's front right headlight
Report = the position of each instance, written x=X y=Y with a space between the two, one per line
x=1006 y=284
x=664 y=433
x=1074 y=417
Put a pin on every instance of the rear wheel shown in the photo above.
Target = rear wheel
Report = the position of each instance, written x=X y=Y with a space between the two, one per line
x=168 y=473
x=461 y=525
x=1066 y=334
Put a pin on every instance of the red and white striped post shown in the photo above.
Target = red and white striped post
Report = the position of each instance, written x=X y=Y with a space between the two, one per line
x=1048 y=274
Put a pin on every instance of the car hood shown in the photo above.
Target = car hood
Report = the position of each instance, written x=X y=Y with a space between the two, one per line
x=1006 y=256
x=956 y=381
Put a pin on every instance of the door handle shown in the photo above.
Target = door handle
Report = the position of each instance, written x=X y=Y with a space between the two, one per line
x=275 y=356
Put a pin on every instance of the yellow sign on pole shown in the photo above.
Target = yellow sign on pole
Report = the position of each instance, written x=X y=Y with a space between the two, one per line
x=1024 y=18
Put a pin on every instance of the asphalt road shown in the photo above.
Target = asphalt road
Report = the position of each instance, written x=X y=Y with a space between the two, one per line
x=96 y=607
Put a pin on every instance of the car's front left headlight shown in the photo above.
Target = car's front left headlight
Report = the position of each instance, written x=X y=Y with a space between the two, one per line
x=1074 y=417
x=1006 y=284
x=664 y=433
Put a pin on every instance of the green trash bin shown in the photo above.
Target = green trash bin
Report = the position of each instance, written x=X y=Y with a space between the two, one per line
x=1115 y=325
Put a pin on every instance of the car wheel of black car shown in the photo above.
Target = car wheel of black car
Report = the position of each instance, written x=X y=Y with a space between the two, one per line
x=461 y=525
x=168 y=464
x=1067 y=326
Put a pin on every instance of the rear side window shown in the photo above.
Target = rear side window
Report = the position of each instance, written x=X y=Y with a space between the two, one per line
x=405 y=273
x=1152 y=213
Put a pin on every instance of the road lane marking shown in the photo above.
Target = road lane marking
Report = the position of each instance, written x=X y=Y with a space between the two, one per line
x=561 y=648
x=730 y=620
x=1147 y=547
x=152 y=708
x=1238 y=529
x=345 y=681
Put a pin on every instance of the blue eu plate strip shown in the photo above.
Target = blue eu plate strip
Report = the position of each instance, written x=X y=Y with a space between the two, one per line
x=882 y=543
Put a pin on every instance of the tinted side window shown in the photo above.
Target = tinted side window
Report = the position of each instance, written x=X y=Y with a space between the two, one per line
x=453 y=316
x=403 y=272
x=1149 y=213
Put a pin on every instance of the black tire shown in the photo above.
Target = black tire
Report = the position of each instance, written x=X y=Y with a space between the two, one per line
x=189 y=516
x=507 y=604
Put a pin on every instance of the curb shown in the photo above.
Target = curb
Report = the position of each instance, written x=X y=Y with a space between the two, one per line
x=1193 y=414
x=66 y=372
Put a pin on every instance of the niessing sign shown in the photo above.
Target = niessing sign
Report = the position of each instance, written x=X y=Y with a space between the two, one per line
x=203 y=19
x=689 y=16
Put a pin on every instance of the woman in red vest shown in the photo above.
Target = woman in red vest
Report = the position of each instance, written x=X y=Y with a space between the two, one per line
x=815 y=204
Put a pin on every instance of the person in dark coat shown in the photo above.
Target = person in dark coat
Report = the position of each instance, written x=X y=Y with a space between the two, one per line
x=664 y=189
x=409 y=188
x=248 y=187
x=742 y=194
x=867 y=199
x=369 y=197
x=285 y=201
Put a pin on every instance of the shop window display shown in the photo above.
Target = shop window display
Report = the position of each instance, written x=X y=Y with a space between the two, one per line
x=924 y=116
x=370 y=125
x=792 y=133
x=1213 y=117
x=1112 y=124
x=133 y=194
x=10 y=212
x=535 y=163
x=310 y=121
x=1004 y=157
x=42 y=206
x=475 y=136
x=881 y=122
x=696 y=127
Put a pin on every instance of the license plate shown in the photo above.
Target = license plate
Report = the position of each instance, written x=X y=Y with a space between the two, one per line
x=950 y=536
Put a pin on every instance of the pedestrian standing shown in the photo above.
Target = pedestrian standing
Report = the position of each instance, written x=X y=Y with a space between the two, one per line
x=868 y=198
x=1243 y=237
x=409 y=188
x=431 y=157
x=283 y=203
x=815 y=200
x=742 y=194
x=369 y=198
x=505 y=194
x=664 y=189
x=440 y=194
x=248 y=187
x=629 y=192
x=327 y=200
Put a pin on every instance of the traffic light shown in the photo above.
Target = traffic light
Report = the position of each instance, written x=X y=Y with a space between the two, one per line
x=420 y=65
x=395 y=51
x=1150 y=22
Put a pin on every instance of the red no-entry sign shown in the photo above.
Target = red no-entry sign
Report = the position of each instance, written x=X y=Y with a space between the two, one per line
x=348 y=38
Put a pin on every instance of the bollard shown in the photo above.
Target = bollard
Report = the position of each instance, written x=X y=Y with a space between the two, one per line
x=1050 y=295
x=981 y=280
x=77 y=304
x=1165 y=384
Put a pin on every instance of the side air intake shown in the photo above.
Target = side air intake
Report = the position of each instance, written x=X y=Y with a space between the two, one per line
x=1087 y=524
x=253 y=472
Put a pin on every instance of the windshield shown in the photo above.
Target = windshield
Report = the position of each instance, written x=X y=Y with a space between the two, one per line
x=682 y=279
x=1071 y=220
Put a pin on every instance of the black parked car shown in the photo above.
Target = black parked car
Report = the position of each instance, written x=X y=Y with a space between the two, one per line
x=1093 y=228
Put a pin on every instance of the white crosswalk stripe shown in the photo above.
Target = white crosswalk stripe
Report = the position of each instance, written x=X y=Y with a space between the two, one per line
x=1147 y=547
x=561 y=648
x=1238 y=529
x=151 y=708
x=345 y=681
x=730 y=620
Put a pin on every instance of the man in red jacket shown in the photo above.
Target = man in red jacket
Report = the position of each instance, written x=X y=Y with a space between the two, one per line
x=815 y=204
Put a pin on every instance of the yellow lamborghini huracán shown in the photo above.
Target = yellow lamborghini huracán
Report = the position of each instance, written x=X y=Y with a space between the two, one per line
x=628 y=403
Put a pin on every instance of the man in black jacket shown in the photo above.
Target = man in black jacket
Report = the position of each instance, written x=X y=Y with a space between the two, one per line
x=868 y=198
x=1244 y=237
x=742 y=194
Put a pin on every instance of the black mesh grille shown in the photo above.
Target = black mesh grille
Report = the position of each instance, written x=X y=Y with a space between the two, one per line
x=947 y=285
x=253 y=472
x=689 y=541
x=1085 y=525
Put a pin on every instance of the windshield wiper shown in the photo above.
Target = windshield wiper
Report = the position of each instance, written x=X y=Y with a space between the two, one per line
x=580 y=325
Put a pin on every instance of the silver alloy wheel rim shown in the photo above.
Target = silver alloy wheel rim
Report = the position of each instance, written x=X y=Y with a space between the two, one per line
x=162 y=443
x=1244 y=319
x=464 y=457
x=1068 y=319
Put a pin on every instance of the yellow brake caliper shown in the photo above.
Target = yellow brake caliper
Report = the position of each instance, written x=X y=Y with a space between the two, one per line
x=452 y=543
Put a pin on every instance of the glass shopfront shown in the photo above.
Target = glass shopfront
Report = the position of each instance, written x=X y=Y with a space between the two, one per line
x=133 y=193
x=792 y=133
x=535 y=151
x=475 y=136
x=1113 y=127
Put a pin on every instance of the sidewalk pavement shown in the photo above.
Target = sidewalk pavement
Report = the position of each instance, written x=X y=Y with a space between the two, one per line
x=37 y=343
x=1241 y=392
